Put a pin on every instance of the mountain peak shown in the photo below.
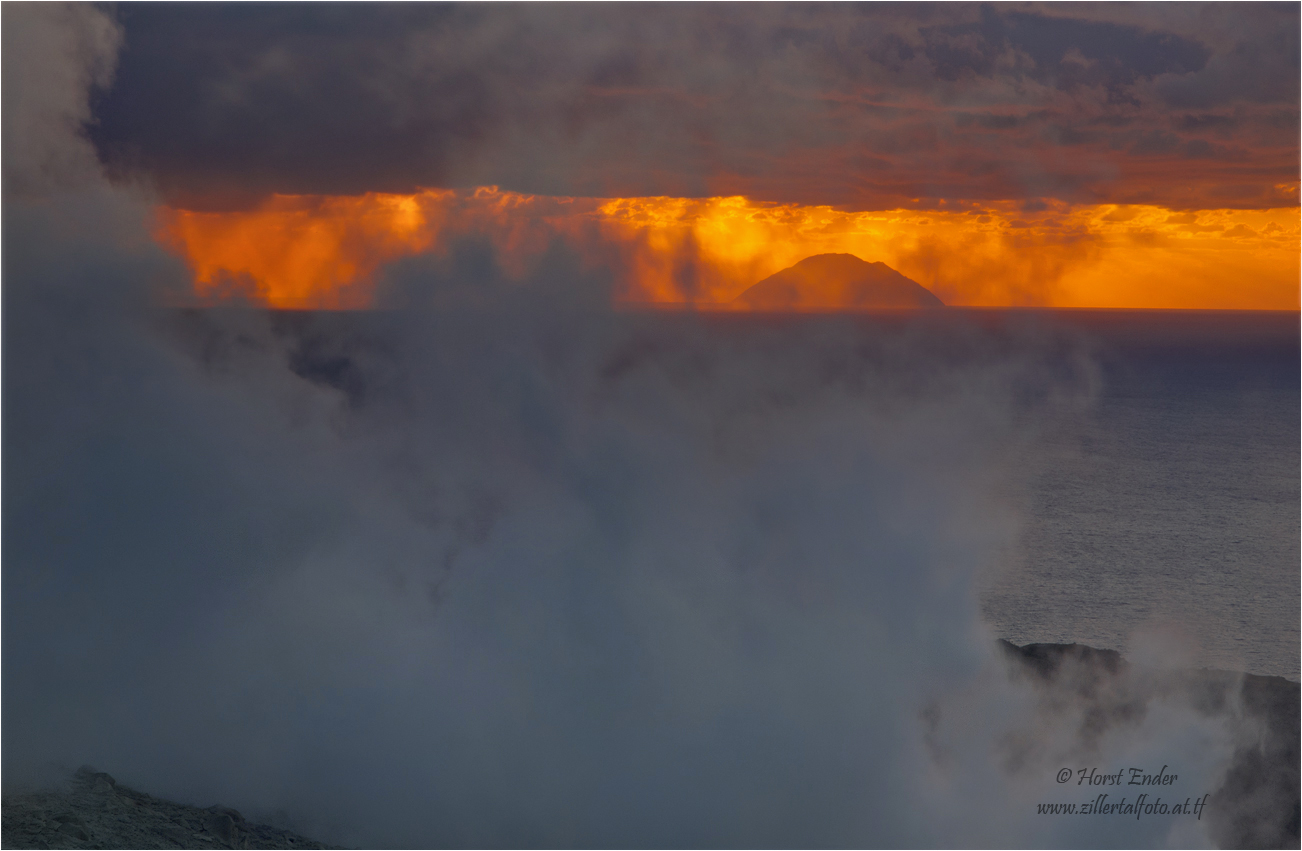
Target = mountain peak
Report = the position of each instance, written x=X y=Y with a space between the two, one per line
x=837 y=282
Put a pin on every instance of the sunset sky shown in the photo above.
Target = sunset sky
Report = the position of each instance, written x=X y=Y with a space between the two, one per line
x=1018 y=155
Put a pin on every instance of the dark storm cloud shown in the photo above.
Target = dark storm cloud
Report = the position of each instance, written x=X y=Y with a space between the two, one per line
x=866 y=106
x=225 y=98
x=1066 y=54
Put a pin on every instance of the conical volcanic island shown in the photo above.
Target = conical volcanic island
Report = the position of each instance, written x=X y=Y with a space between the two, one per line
x=837 y=282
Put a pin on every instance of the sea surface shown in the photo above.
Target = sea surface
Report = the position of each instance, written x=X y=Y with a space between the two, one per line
x=1162 y=519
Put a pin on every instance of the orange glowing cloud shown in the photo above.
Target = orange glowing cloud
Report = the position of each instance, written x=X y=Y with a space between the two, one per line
x=1094 y=256
x=297 y=251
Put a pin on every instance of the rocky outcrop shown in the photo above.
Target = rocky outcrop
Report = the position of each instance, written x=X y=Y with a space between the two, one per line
x=1257 y=805
x=1260 y=800
x=91 y=810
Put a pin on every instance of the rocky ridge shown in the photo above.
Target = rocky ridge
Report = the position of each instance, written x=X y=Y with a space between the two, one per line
x=1259 y=802
x=92 y=810
x=1256 y=806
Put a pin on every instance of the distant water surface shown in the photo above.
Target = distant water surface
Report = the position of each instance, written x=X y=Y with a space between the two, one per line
x=1164 y=521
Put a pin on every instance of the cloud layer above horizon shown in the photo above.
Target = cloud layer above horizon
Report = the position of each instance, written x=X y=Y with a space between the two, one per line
x=1184 y=106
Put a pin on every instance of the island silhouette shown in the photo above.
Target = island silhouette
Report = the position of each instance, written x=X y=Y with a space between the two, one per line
x=837 y=282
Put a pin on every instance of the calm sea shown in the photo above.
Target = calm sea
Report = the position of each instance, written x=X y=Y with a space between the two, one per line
x=1163 y=520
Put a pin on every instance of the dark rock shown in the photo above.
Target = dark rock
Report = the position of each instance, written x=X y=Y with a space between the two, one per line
x=1259 y=803
x=74 y=829
x=837 y=282
x=222 y=826
x=174 y=832
x=234 y=814
x=88 y=776
x=92 y=809
x=1047 y=659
